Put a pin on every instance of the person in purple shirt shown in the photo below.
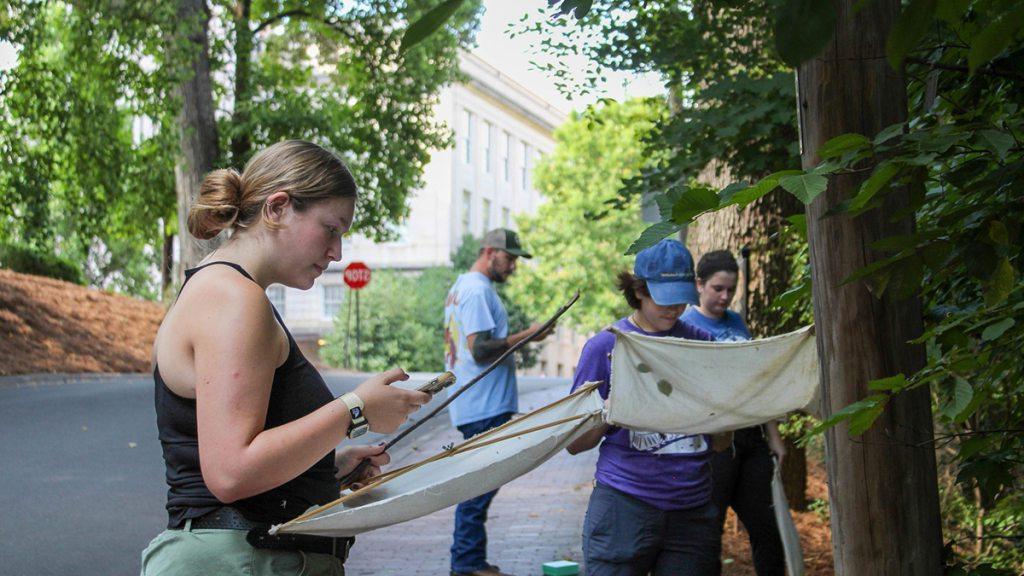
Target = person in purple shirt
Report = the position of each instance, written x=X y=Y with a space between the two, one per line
x=651 y=509
x=743 y=473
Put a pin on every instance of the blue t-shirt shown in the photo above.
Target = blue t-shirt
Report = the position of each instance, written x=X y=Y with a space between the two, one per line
x=473 y=306
x=667 y=471
x=728 y=328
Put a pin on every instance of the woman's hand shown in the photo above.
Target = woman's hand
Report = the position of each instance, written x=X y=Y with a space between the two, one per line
x=775 y=442
x=346 y=459
x=386 y=407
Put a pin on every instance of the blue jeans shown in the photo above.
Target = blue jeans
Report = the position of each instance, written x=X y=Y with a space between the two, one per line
x=625 y=536
x=469 y=546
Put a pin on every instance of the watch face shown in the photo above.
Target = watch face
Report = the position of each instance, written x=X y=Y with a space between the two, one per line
x=357 y=413
x=359 y=431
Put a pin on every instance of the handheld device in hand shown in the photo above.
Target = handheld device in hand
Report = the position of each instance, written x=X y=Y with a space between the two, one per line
x=437 y=384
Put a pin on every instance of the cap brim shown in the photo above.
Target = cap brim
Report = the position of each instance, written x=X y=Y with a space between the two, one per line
x=673 y=293
x=518 y=252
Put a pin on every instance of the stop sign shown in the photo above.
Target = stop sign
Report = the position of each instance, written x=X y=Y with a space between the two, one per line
x=357 y=275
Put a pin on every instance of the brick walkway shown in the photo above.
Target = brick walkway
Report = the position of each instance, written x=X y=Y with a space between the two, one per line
x=533 y=519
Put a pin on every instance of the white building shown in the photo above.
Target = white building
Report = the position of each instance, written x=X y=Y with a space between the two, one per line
x=500 y=131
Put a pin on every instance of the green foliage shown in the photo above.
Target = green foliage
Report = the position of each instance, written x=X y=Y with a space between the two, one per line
x=802 y=28
x=401 y=323
x=575 y=247
x=29 y=260
x=961 y=157
x=88 y=114
x=79 y=182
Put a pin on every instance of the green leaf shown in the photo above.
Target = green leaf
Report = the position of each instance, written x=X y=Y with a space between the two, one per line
x=998 y=233
x=908 y=30
x=791 y=297
x=762 y=187
x=879 y=178
x=997 y=141
x=725 y=196
x=799 y=221
x=951 y=11
x=841 y=145
x=861 y=421
x=889 y=133
x=962 y=395
x=806 y=187
x=652 y=235
x=873 y=403
x=1000 y=283
x=429 y=23
x=694 y=201
x=802 y=29
x=994 y=38
x=994 y=331
x=896 y=243
x=892 y=383
x=580 y=8
x=972 y=446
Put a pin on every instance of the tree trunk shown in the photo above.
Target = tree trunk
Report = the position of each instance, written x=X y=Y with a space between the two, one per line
x=882 y=485
x=166 y=266
x=240 y=142
x=197 y=128
x=756 y=227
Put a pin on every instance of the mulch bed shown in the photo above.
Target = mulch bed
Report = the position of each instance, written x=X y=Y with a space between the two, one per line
x=48 y=325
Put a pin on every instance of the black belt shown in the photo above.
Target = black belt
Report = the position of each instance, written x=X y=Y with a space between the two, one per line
x=257 y=536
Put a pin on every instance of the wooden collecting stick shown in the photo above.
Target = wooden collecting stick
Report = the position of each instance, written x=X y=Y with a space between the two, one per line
x=361 y=468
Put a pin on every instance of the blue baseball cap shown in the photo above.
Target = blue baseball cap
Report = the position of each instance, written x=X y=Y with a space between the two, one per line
x=667 y=267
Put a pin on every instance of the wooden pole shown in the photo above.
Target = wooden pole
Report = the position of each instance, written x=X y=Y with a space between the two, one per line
x=882 y=485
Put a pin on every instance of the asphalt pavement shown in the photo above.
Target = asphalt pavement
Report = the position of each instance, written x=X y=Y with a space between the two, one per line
x=81 y=474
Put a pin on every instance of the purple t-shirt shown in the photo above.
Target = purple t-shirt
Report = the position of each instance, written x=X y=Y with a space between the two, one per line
x=667 y=471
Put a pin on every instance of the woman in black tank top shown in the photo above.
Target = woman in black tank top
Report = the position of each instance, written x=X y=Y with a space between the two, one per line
x=247 y=425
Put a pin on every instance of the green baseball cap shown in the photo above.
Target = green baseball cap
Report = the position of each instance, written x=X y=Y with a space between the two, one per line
x=507 y=240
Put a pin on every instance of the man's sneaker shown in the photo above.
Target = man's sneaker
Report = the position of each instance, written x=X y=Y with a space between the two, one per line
x=491 y=570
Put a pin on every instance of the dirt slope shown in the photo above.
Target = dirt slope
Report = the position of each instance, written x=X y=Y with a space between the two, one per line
x=48 y=325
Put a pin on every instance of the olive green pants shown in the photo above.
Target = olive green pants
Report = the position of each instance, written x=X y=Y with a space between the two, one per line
x=225 y=552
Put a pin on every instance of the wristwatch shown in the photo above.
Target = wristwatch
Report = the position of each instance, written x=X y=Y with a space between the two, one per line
x=358 y=425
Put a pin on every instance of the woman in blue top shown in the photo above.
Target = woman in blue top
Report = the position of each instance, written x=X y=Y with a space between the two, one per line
x=743 y=474
x=651 y=510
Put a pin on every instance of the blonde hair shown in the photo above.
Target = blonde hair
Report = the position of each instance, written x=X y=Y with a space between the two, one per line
x=229 y=200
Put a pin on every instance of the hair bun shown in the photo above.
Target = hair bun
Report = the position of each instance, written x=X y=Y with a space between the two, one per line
x=218 y=204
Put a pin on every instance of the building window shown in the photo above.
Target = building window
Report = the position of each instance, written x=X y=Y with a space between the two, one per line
x=334 y=296
x=467 y=136
x=276 y=296
x=467 y=210
x=506 y=218
x=488 y=145
x=486 y=209
x=524 y=168
x=506 y=158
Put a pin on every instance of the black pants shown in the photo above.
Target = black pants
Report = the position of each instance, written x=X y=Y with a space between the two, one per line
x=742 y=480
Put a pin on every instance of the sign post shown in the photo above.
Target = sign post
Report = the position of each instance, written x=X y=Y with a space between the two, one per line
x=357 y=276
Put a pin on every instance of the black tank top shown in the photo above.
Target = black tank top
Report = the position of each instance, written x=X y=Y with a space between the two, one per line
x=298 y=389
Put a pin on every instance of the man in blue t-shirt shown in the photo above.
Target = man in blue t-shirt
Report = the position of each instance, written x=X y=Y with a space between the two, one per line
x=476 y=334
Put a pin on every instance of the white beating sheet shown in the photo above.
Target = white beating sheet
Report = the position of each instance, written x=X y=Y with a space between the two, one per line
x=679 y=386
x=479 y=465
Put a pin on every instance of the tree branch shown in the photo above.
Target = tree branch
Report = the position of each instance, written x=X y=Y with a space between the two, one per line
x=278 y=17
x=986 y=71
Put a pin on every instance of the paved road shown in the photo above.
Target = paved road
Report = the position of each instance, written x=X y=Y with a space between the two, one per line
x=81 y=476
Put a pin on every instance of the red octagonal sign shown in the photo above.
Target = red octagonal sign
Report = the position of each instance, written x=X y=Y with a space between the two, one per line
x=357 y=275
